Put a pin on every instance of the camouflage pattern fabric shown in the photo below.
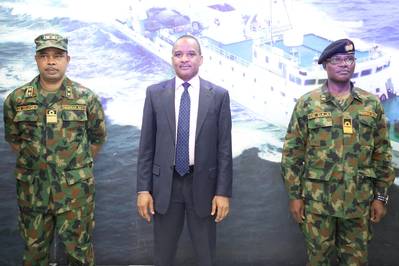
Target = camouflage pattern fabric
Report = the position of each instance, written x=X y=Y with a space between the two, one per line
x=74 y=228
x=337 y=170
x=54 y=168
x=51 y=40
x=323 y=233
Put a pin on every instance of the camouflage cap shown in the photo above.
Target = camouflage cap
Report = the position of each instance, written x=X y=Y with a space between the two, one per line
x=51 y=40
x=342 y=46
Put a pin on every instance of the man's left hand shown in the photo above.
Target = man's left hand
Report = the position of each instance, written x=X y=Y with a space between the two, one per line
x=220 y=207
x=377 y=211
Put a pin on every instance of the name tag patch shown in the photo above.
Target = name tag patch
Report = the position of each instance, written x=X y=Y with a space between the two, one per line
x=368 y=113
x=319 y=115
x=75 y=107
x=26 y=107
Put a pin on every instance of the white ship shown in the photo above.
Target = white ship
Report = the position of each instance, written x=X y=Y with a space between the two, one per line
x=263 y=63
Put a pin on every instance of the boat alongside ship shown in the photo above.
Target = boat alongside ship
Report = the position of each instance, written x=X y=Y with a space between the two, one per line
x=261 y=60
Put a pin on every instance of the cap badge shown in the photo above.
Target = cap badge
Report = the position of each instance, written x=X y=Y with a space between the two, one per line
x=349 y=47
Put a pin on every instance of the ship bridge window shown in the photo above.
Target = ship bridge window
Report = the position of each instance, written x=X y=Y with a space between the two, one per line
x=355 y=75
x=378 y=69
x=310 y=82
x=298 y=81
x=232 y=68
x=271 y=88
x=266 y=59
x=254 y=80
x=365 y=72
x=321 y=81
x=243 y=74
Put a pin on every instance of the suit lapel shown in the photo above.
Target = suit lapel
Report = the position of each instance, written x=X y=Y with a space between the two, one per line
x=205 y=98
x=168 y=97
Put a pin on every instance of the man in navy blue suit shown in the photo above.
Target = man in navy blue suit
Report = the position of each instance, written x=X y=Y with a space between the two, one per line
x=185 y=159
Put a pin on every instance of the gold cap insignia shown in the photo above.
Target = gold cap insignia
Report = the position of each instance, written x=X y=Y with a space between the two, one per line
x=349 y=47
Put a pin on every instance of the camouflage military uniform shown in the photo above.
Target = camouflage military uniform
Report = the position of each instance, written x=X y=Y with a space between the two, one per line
x=337 y=171
x=54 y=168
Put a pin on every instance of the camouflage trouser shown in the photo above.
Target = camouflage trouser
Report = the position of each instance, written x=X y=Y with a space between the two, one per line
x=74 y=228
x=326 y=235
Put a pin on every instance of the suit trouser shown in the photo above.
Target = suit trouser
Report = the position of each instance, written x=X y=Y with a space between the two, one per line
x=348 y=238
x=168 y=226
x=74 y=228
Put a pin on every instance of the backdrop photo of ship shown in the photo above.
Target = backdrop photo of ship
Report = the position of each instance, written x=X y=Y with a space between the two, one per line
x=106 y=58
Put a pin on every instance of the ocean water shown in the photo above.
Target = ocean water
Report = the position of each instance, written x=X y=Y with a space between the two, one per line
x=119 y=70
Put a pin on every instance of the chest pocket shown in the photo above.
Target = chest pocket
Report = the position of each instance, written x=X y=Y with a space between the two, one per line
x=367 y=127
x=74 y=124
x=320 y=131
x=28 y=124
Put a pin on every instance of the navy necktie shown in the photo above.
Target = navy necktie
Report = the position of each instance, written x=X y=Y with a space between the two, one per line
x=182 y=160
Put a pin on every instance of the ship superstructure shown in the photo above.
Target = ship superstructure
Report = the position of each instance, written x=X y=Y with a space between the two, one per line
x=258 y=57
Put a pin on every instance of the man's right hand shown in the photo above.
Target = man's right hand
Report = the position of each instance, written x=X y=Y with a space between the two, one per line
x=145 y=205
x=297 y=209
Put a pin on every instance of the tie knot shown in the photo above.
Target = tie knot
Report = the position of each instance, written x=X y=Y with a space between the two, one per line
x=186 y=85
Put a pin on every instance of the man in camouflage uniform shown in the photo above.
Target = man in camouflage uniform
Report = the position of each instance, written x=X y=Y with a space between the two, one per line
x=336 y=163
x=56 y=126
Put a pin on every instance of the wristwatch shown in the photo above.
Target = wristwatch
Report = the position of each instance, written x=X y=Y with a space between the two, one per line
x=382 y=197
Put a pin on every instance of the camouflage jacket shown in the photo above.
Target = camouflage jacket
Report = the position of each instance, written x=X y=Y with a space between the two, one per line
x=337 y=158
x=54 y=163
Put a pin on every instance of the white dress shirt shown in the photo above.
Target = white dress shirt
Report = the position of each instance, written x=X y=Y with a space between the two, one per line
x=193 y=91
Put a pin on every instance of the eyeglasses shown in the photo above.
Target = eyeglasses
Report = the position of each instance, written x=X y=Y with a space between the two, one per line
x=339 y=60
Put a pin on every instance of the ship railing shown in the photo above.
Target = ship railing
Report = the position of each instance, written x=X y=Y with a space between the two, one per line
x=226 y=54
x=267 y=44
x=292 y=57
x=373 y=56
